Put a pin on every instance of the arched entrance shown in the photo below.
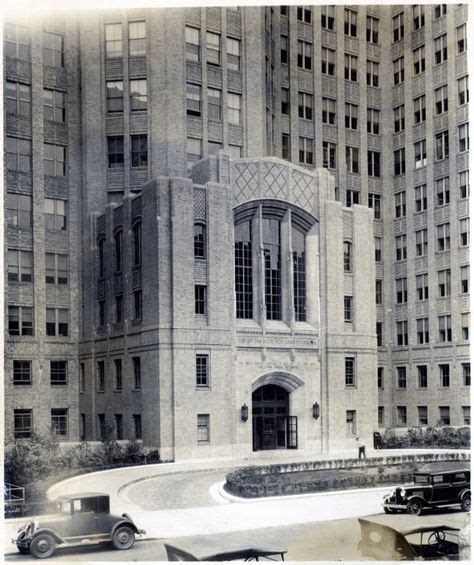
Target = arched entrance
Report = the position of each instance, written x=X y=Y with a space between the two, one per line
x=273 y=427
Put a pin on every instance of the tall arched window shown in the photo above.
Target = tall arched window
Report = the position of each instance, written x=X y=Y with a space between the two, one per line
x=118 y=238
x=199 y=241
x=272 y=258
x=243 y=270
x=137 y=244
x=299 y=274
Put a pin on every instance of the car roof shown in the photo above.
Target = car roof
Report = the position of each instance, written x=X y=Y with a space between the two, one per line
x=445 y=472
x=81 y=495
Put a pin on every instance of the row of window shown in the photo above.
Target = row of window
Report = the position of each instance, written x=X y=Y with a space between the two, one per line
x=214 y=104
x=138 y=151
x=18 y=45
x=213 y=48
x=422 y=330
x=422 y=376
x=138 y=95
x=23 y=374
x=418 y=20
x=18 y=101
x=136 y=39
x=443 y=416
x=118 y=377
x=21 y=321
x=20 y=267
x=19 y=212
x=119 y=312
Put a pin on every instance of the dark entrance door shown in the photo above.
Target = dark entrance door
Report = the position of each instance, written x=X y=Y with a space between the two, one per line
x=271 y=420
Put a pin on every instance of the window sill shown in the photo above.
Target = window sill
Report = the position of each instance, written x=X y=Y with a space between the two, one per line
x=59 y=384
x=22 y=384
x=208 y=388
x=136 y=390
x=118 y=391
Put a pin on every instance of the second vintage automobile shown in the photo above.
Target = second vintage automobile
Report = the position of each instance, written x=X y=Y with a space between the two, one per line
x=431 y=490
x=81 y=519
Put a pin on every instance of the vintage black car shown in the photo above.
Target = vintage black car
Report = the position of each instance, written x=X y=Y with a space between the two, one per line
x=81 y=519
x=431 y=490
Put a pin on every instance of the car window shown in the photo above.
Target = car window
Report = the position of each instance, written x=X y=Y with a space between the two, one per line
x=439 y=479
x=84 y=505
x=458 y=478
x=64 y=507
x=422 y=479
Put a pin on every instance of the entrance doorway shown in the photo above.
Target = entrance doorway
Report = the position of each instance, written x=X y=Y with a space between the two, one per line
x=273 y=427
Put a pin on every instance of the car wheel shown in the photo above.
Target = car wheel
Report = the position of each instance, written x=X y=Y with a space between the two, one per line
x=414 y=507
x=388 y=510
x=42 y=546
x=23 y=550
x=466 y=503
x=124 y=538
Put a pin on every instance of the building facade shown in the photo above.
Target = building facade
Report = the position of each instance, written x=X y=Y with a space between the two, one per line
x=98 y=104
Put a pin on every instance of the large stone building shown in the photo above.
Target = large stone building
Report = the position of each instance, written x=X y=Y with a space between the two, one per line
x=98 y=104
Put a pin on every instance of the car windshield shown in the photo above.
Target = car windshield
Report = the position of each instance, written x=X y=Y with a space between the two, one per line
x=422 y=479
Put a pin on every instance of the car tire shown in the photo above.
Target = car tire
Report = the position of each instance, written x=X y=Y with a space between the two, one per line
x=466 y=502
x=123 y=538
x=414 y=507
x=42 y=546
x=23 y=550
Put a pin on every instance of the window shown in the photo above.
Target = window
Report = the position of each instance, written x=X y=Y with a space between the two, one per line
x=193 y=99
x=421 y=242
x=350 y=372
x=380 y=416
x=214 y=105
x=213 y=48
x=17 y=42
x=285 y=101
x=464 y=232
x=20 y=266
x=378 y=249
x=82 y=378
x=22 y=374
x=422 y=415
x=119 y=309
x=463 y=90
x=193 y=150
x=114 y=96
x=443 y=237
x=59 y=423
x=200 y=299
x=401 y=247
x=22 y=423
x=465 y=279
x=199 y=241
x=419 y=106
x=444 y=324
x=463 y=137
x=20 y=321
x=101 y=376
x=401 y=290
x=118 y=426
x=399 y=161
x=137 y=426
x=328 y=61
x=442 y=191
x=54 y=160
x=378 y=291
x=380 y=383
x=118 y=374
x=57 y=322
x=422 y=330
x=352 y=197
x=55 y=212
x=306 y=150
x=379 y=333
x=352 y=160
x=137 y=305
x=329 y=111
x=350 y=67
x=137 y=244
x=235 y=151
x=440 y=49
x=398 y=71
x=115 y=152
x=441 y=100
x=402 y=333
x=463 y=179
x=422 y=371
x=58 y=372
x=444 y=283
x=305 y=58
x=137 y=373
x=102 y=313
x=351 y=424
x=234 y=103
x=347 y=257
x=372 y=30
x=422 y=286
x=329 y=155
x=351 y=116
x=399 y=118
x=138 y=95
x=372 y=73
x=348 y=309
x=398 y=27
x=420 y=198
x=418 y=16
x=375 y=203
x=444 y=416
x=113 y=40
x=18 y=155
x=213 y=147
x=420 y=154
x=439 y=10
x=327 y=17
x=17 y=98
x=466 y=415
x=53 y=49
x=350 y=23
x=285 y=146
x=202 y=370
x=465 y=326
x=136 y=39
x=401 y=377
x=192 y=38
x=118 y=245
x=466 y=374
x=203 y=430
x=243 y=270
x=305 y=105
x=271 y=235
x=233 y=54
x=400 y=204
x=419 y=60
x=299 y=274
x=139 y=151
x=401 y=415
x=303 y=14
x=461 y=38
x=373 y=121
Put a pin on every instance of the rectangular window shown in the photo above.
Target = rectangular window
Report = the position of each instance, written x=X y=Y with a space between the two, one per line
x=329 y=111
x=400 y=204
x=213 y=48
x=328 y=61
x=55 y=214
x=463 y=137
x=303 y=14
x=213 y=147
x=372 y=30
x=351 y=116
x=401 y=377
x=463 y=90
x=398 y=71
x=57 y=322
x=138 y=95
x=419 y=107
x=118 y=426
x=398 y=27
x=82 y=427
x=380 y=417
x=401 y=247
x=202 y=370
x=100 y=376
x=233 y=54
x=193 y=99
x=421 y=202
x=379 y=333
x=419 y=60
x=465 y=323
x=17 y=98
x=200 y=299
x=56 y=268
x=285 y=101
x=137 y=426
x=59 y=421
x=444 y=416
x=350 y=67
x=22 y=373
x=115 y=152
x=82 y=378
x=443 y=237
x=461 y=38
x=352 y=197
x=192 y=39
x=18 y=155
x=328 y=17
x=422 y=286
x=214 y=104
x=17 y=42
x=193 y=150
x=58 y=372
x=305 y=56
x=352 y=159
x=401 y=290
x=421 y=242
x=20 y=321
x=442 y=191
x=440 y=49
x=439 y=10
x=118 y=375
x=399 y=161
x=285 y=146
x=137 y=305
x=139 y=151
x=137 y=373
x=444 y=324
x=422 y=371
x=373 y=121
x=53 y=49
x=444 y=283
x=422 y=415
x=234 y=105
x=20 y=266
x=466 y=374
x=418 y=16
x=402 y=333
x=54 y=160
x=113 y=40
x=119 y=309
x=378 y=291
x=305 y=105
x=465 y=279
x=351 y=424
x=203 y=430
x=284 y=49
x=422 y=331
x=350 y=23
x=329 y=155
x=348 y=309
x=350 y=378
x=306 y=150
x=401 y=415
x=441 y=99
x=399 y=118
x=22 y=423
x=420 y=154
x=347 y=257
x=466 y=415
x=114 y=96
x=380 y=381
x=378 y=249
x=136 y=39
x=102 y=431
x=372 y=73
x=375 y=203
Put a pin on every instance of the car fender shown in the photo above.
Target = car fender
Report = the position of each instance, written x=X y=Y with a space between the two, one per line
x=127 y=522
x=464 y=492
x=418 y=497
x=57 y=538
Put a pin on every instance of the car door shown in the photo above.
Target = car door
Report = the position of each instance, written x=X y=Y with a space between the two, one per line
x=441 y=489
x=83 y=521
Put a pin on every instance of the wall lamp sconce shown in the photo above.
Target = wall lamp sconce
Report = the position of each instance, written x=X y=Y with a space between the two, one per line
x=244 y=413
x=315 y=410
